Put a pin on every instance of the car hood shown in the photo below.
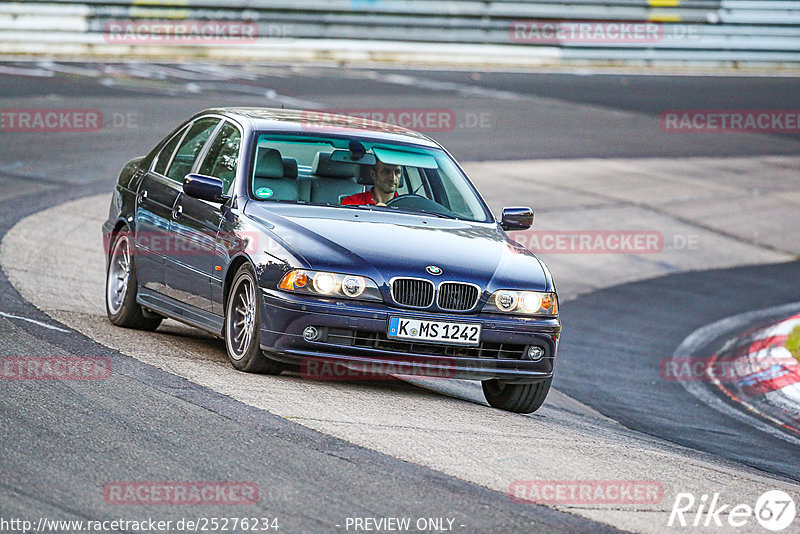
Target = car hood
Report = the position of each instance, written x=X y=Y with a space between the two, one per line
x=383 y=245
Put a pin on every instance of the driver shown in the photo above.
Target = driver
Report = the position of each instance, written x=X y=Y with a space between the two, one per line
x=386 y=179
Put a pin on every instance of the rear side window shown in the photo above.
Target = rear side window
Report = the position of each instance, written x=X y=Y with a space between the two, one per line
x=223 y=156
x=166 y=153
x=190 y=148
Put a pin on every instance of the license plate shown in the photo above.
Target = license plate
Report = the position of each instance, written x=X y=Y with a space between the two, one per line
x=421 y=330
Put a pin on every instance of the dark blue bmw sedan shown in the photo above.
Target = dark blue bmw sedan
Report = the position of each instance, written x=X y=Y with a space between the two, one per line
x=330 y=242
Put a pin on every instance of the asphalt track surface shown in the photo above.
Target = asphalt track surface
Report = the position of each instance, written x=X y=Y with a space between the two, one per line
x=61 y=442
x=622 y=352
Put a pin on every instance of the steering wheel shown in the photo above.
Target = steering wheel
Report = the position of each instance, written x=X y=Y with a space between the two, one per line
x=408 y=200
x=414 y=202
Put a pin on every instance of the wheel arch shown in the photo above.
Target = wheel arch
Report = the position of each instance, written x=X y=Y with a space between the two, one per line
x=234 y=266
x=112 y=236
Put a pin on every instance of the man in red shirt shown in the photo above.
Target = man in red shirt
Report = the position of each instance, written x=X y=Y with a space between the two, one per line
x=386 y=179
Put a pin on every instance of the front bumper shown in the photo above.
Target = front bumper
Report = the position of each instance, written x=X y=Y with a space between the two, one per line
x=353 y=335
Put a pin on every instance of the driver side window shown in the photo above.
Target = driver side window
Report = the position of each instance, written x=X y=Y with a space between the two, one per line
x=191 y=147
x=223 y=156
x=165 y=156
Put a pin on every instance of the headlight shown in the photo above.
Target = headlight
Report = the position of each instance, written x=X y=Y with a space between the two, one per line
x=324 y=283
x=530 y=302
x=353 y=286
x=330 y=285
x=506 y=300
x=522 y=302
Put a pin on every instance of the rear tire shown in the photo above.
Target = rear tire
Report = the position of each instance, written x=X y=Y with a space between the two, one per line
x=121 y=287
x=518 y=398
x=243 y=325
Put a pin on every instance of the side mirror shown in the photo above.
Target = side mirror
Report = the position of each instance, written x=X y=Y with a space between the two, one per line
x=517 y=218
x=204 y=187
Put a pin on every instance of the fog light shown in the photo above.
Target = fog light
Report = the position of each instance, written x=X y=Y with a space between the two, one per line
x=535 y=353
x=310 y=333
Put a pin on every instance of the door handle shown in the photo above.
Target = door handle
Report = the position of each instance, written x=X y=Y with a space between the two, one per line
x=177 y=212
x=142 y=196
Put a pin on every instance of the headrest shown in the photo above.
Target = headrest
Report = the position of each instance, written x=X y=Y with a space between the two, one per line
x=323 y=166
x=290 y=168
x=269 y=164
x=364 y=176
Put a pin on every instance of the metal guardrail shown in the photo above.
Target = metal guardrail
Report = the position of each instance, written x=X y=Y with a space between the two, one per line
x=687 y=30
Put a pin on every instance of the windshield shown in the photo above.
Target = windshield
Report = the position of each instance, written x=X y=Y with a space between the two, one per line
x=360 y=174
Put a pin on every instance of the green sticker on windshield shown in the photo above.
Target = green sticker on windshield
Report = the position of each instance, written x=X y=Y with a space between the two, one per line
x=264 y=192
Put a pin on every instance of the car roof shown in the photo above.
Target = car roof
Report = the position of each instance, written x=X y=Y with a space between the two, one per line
x=321 y=122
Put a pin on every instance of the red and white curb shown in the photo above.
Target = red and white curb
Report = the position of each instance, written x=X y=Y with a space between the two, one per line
x=768 y=409
x=766 y=380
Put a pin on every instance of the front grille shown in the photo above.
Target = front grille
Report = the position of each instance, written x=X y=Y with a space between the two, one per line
x=413 y=292
x=454 y=296
x=378 y=340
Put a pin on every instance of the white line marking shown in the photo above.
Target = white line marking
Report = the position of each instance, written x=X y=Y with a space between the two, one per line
x=16 y=71
x=463 y=89
x=247 y=89
x=51 y=327
x=598 y=70
x=219 y=72
x=701 y=336
x=67 y=68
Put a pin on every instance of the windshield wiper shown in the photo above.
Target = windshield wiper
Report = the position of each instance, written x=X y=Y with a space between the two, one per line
x=434 y=213
x=373 y=207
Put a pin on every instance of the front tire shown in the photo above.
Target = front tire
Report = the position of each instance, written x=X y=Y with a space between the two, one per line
x=518 y=398
x=121 y=287
x=243 y=325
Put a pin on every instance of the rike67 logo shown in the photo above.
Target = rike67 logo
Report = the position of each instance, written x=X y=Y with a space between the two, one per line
x=774 y=510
